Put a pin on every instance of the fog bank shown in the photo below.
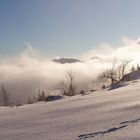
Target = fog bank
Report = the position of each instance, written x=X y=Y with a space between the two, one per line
x=23 y=75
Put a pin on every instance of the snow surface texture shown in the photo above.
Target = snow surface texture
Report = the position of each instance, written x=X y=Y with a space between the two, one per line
x=102 y=115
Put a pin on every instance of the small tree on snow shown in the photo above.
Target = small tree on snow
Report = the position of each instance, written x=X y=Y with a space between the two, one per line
x=72 y=87
x=4 y=96
x=67 y=86
x=62 y=86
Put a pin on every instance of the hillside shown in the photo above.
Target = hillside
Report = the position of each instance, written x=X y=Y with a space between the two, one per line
x=134 y=75
x=102 y=115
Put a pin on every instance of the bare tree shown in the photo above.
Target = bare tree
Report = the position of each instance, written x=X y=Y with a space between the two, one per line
x=110 y=74
x=68 y=86
x=72 y=87
x=116 y=72
x=4 y=96
x=122 y=68
x=62 y=86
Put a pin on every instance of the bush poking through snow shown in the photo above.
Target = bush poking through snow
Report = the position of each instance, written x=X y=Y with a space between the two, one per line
x=41 y=96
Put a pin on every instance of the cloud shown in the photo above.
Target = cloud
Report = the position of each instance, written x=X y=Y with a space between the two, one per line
x=30 y=51
x=128 y=49
x=26 y=73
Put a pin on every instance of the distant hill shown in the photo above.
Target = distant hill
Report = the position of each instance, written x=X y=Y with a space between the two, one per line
x=66 y=60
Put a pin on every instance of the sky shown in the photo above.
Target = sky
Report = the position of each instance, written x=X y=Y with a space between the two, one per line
x=65 y=27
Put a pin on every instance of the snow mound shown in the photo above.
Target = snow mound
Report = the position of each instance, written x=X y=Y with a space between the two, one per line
x=132 y=76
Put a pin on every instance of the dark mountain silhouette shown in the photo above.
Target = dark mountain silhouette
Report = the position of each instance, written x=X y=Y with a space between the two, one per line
x=66 y=60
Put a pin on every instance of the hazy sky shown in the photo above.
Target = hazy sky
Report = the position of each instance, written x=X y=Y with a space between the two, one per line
x=66 y=27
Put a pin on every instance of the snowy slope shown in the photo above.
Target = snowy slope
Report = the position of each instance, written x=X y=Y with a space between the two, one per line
x=104 y=115
x=134 y=75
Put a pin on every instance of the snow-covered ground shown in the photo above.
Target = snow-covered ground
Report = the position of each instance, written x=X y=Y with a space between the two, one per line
x=101 y=115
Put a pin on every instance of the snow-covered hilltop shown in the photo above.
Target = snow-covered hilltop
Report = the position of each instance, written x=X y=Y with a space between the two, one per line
x=101 y=115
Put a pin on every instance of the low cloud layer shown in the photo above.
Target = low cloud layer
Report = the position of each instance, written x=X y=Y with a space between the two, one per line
x=26 y=73
x=128 y=49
